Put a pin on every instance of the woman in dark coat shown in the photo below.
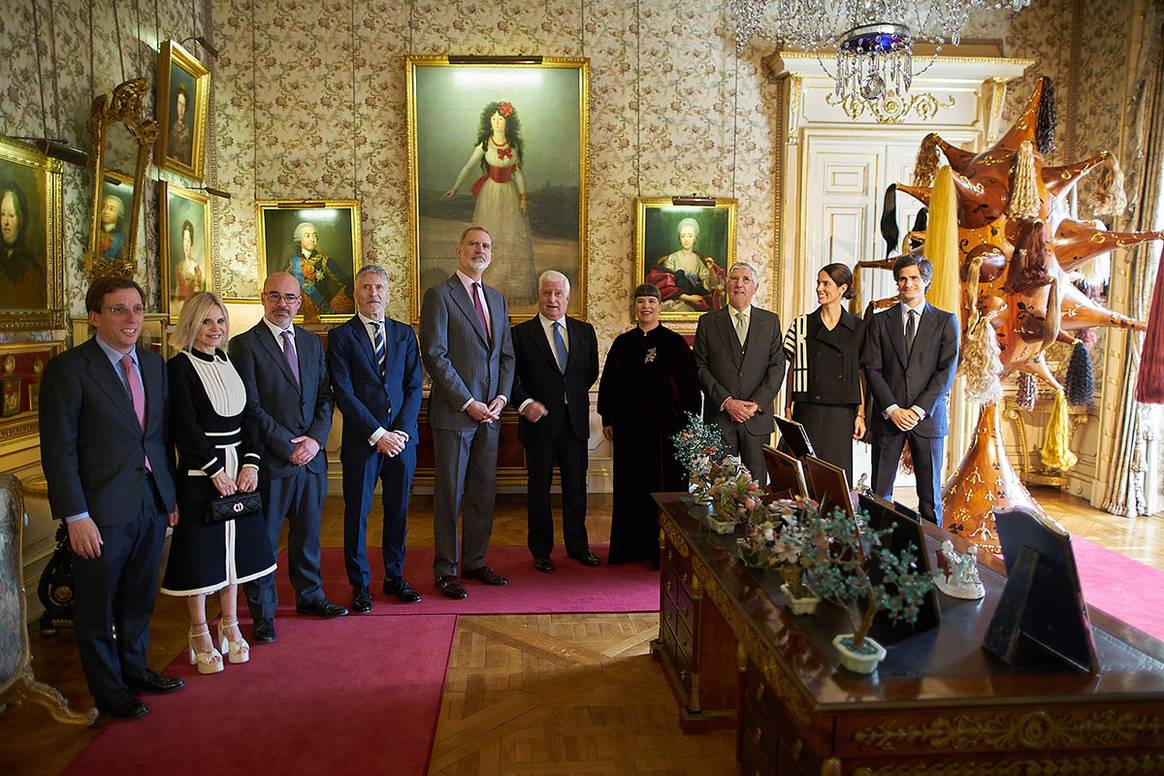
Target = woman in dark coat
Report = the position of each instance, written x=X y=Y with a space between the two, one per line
x=648 y=384
x=217 y=456
x=825 y=383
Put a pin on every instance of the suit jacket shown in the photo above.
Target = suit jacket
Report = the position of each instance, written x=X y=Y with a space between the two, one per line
x=752 y=373
x=367 y=400
x=538 y=377
x=457 y=355
x=921 y=377
x=283 y=408
x=92 y=447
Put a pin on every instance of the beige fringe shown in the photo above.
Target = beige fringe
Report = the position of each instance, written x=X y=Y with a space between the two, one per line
x=1024 y=193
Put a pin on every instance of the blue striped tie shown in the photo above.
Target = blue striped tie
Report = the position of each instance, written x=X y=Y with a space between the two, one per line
x=560 y=347
x=378 y=345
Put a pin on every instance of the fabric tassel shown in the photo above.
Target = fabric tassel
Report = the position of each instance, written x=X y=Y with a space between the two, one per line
x=1079 y=384
x=1048 y=120
x=1109 y=198
x=890 y=232
x=981 y=362
x=927 y=162
x=941 y=246
x=1024 y=191
x=919 y=228
x=1028 y=264
x=1150 y=380
x=1056 y=450
x=1026 y=393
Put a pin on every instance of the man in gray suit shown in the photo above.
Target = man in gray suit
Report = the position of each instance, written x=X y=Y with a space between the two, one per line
x=741 y=368
x=466 y=348
x=288 y=392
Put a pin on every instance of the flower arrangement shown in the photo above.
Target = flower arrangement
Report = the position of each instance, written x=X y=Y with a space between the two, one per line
x=698 y=444
x=734 y=493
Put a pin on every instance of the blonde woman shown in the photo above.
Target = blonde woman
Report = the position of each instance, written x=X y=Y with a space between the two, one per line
x=217 y=456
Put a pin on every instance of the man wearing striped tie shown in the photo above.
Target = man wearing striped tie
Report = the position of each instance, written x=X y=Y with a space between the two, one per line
x=375 y=374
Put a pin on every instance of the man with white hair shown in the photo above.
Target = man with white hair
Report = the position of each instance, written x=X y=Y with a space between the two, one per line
x=556 y=363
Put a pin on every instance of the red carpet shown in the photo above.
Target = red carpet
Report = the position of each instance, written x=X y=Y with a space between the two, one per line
x=1122 y=587
x=352 y=695
x=571 y=589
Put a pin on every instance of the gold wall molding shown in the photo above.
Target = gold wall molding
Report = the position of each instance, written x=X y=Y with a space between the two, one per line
x=1129 y=765
x=892 y=109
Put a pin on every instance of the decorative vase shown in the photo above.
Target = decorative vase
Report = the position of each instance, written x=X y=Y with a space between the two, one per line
x=793 y=579
x=719 y=526
x=800 y=605
x=863 y=660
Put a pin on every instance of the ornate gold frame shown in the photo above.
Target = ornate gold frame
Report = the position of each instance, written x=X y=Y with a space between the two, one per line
x=578 y=307
x=24 y=423
x=644 y=204
x=52 y=315
x=165 y=189
x=124 y=105
x=170 y=54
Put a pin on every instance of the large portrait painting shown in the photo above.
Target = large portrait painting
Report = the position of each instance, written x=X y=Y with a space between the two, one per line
x=686 y=250
x=31 y=275
x=184 y=224
x=183 y=102
x=318 y=243
x=503 y=146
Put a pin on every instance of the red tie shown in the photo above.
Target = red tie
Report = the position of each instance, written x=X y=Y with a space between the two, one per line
x=136 y=393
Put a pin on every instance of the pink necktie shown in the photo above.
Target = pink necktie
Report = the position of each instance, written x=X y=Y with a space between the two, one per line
x=289 y=354
x=481 y=313
x=137 y=394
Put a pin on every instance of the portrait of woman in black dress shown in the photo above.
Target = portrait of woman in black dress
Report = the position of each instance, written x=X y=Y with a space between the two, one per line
x=217 y=456
x=825 y=385
x=647 y=385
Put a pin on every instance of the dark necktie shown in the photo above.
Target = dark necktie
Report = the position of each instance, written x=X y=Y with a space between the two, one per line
x=289 y=354
x=136 y=394
x=378 y=345
x=481 y=313
x=560 y=347
x=910 y=330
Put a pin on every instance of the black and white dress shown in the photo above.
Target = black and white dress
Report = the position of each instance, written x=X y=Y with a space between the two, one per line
x=212 y=434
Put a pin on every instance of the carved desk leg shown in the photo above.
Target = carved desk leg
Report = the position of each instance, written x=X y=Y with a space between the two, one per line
x=27 y=688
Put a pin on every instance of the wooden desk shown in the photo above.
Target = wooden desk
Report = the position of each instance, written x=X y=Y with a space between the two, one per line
x=937 y=705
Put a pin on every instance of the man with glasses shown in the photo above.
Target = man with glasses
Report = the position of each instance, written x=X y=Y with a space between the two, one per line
x=912 y=352
x=110 y=478
x=288 y=391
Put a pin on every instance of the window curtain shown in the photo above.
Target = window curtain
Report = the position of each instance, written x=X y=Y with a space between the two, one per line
x=1121 y=485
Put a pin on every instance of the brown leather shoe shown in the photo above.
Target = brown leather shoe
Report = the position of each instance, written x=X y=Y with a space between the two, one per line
x=450 y=587
x=486 y=575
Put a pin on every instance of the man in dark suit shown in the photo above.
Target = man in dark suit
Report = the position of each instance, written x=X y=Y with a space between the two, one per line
x=740 y=361
x=466 y=347
x=110 y=478
x=911 y=355
x=376 y=378
x=557 y=362
x=285 y=374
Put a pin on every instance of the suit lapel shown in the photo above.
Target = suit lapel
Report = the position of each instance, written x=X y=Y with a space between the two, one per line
x=275 y=353
x=460 y=295
x=728 y=332
x=897 y=333
x=926 y=327
x=364 y=342
x=103 y=374
x=152 y=383
x=540 y=343
x=496 y=318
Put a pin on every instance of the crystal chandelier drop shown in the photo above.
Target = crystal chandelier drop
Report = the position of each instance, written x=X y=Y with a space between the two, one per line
x=875 y=44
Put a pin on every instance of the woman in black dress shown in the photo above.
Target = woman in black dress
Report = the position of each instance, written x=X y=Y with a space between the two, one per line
x=217 y=456
x=647 y=385
x=825 y=384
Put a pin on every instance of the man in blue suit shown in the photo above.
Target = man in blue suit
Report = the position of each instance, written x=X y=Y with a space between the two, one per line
x=104 y=449
x=911 y=356
x=285 y=373
x=375 y=375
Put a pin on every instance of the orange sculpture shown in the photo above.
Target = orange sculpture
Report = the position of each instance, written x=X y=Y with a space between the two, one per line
x=1013 y=256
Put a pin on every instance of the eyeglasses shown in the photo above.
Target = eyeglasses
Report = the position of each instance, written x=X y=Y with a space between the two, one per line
x=275 y=297
x=120 y=309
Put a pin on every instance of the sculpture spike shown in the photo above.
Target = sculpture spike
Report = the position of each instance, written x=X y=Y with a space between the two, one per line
x=1075 y=242
x=1079 y=312
x=920 y=193
x=1024 y=128
x=1060 y=180
x=958 y=158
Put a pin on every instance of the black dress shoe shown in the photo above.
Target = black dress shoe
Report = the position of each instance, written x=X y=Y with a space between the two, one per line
x=544 y=565
x=586 y=559
x=361 y=600
x=450 y=587
x=151 y=681
x=121 y=704
x=486 y=575
x=263 y=631
x=321 y=608
x=399 y=587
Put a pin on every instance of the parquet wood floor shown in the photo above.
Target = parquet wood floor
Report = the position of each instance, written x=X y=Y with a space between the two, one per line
x=546 y=694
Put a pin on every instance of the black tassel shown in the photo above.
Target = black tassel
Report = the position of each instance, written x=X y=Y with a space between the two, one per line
x=889 y=229
x=1048 y=119
x=1025 y=397
x=919 y=225
x=1080 y=382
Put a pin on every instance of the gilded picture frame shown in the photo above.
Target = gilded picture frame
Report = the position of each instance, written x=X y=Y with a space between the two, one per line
x=318 y=243
x=686 y=250
x=182 y=106
x=32 y=295
x=184 y=237
x=528 y=188
x=21 y=365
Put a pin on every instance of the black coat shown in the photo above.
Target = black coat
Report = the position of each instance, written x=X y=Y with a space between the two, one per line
x=538 y=377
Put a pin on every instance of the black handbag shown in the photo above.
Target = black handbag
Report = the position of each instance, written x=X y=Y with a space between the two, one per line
x=234 y=506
